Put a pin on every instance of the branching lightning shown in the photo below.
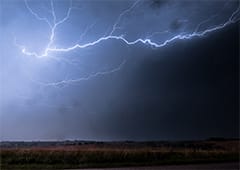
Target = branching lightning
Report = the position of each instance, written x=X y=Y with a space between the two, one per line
x=54 y=24
x=62 y=83
x=148 y=41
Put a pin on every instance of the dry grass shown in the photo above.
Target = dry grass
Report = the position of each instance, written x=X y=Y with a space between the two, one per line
x=94 y=155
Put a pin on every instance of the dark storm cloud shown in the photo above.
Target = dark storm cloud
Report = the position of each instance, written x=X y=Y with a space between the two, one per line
x=194 y=95
x=156 y=4
x=177 y=24
x=186 y=90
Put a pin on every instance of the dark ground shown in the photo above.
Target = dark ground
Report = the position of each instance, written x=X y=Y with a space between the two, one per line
x=88 y=154
x=219 y=166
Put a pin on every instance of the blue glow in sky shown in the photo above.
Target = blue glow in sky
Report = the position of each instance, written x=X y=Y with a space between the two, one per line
x=64 y=62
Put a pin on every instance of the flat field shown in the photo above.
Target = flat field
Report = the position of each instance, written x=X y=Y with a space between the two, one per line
x=87 y=154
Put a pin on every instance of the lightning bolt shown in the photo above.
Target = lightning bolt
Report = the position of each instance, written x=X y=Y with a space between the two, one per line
x=149 y=41
x=63 y=83
x=115 y=26
x=232 y=19
x=54 y=24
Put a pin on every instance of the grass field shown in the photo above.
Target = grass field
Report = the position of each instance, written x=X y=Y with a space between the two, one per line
x=116 y=154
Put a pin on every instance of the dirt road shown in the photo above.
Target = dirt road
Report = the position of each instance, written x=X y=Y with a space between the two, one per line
x=219 y=166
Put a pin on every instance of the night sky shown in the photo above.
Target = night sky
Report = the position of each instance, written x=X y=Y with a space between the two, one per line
x=115 y=89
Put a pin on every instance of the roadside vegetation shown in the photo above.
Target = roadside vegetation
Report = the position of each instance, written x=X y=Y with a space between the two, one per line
x=86 y=155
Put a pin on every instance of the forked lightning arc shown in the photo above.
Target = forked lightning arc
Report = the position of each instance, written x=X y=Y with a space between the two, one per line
x=53 y=24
